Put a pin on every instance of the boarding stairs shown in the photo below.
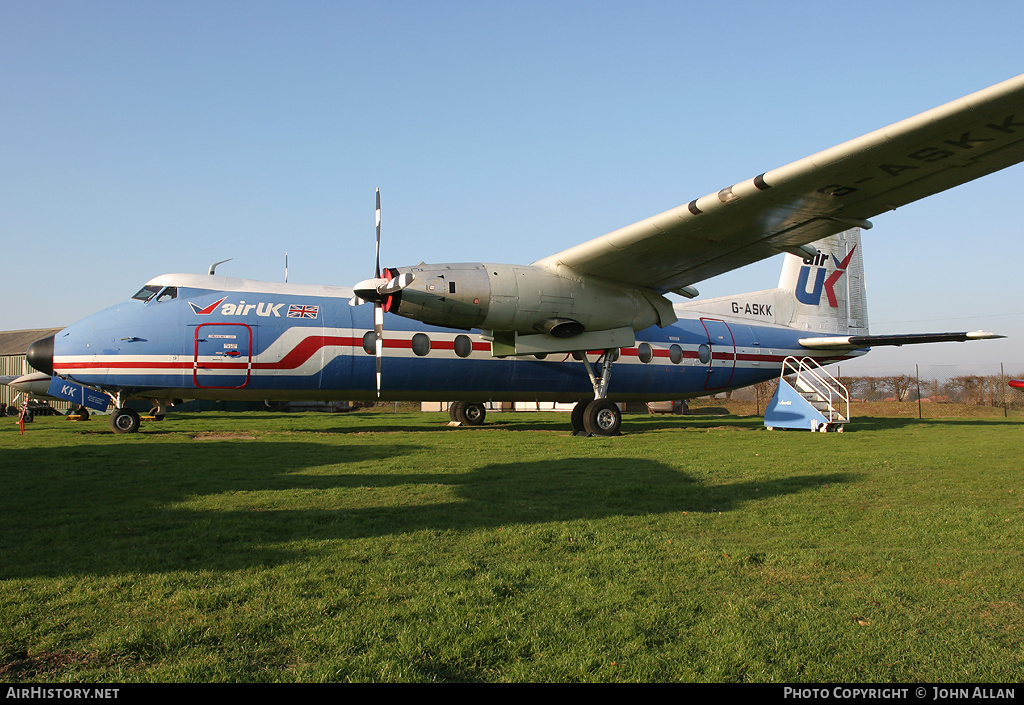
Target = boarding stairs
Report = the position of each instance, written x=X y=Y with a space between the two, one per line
x=813 y=401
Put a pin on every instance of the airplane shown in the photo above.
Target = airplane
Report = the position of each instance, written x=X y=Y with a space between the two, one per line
x=554 y=329
x=33 y=386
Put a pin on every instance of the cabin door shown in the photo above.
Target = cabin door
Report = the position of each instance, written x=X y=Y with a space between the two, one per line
x=719 y=357
x=223 y=355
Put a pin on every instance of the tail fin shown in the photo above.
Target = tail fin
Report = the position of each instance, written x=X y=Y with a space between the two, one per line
x=824 y=293
x=828 y=290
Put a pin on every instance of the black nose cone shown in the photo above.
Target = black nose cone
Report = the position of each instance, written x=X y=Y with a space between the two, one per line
x=40 y=355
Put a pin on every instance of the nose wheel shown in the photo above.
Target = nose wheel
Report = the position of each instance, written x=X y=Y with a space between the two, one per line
x=124 y=421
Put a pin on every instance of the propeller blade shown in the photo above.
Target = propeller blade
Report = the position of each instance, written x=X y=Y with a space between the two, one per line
x=378 y=335
x=377 y=270
x=395 y=285
x=378 y=305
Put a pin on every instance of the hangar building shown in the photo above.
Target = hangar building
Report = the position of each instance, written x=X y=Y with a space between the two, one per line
x=13 y=345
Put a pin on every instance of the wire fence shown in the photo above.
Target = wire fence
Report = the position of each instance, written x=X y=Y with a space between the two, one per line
x=931 y=390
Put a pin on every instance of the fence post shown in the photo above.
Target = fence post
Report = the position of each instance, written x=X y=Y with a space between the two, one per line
x=917 y=374
x=1003 y=385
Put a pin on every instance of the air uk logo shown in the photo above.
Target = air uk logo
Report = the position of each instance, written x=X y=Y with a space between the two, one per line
x=262 y=308
x=813 y=297
x=266 y=309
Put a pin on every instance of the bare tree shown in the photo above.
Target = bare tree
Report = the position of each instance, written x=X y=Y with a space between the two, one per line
x=967 y=389
x=866 y=388
x=900 y=385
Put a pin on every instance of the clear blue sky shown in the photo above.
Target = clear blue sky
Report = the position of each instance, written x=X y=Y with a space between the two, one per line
x=140 y=138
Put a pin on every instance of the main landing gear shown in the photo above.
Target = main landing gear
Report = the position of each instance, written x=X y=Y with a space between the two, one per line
x=593 y=417
x=597 y=417
x=467 y=413
x=600 y=416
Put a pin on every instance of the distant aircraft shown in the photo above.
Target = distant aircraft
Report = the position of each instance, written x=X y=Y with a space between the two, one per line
x=34 y=384
x=1018 y=383
x=552 y=330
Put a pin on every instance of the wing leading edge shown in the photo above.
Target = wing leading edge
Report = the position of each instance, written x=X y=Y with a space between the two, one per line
x=817 y=196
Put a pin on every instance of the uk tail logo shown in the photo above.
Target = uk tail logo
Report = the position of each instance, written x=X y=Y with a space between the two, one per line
x=813 y=297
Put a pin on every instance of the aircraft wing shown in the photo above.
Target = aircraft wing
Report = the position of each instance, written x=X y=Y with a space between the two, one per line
x=828 y=192
x=869 y=341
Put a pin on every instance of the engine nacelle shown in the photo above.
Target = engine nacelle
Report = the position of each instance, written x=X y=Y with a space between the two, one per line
x=525 y=300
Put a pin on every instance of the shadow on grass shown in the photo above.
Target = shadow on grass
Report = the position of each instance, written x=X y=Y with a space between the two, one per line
x=881 y=423
x=108 y=510
x=532 y=421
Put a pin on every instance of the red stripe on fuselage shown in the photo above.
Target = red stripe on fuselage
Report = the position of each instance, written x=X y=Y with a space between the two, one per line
x=311 y=345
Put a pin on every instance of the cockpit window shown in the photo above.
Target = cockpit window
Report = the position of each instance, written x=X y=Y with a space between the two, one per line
x=147 y=292
x=167 y=294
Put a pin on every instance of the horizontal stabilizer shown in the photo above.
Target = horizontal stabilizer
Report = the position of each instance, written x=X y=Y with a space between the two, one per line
x=870 y=341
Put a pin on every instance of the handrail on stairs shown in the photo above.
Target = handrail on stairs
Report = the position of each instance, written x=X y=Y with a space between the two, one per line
x=821 y=383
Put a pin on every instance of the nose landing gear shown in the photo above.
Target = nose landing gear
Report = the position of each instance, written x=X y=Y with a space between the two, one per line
x=124 y=420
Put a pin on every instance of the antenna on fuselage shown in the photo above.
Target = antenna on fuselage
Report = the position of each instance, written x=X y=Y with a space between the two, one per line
x=213 y=267
x=285 y=267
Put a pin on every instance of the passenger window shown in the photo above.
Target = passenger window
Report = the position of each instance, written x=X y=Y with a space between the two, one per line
x=463 y=346
x=421 y=344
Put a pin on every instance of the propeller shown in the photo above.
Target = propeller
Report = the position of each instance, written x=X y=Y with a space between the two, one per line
x=379 y=290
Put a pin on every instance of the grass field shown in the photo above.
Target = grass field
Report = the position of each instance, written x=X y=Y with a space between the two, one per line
x=379 y=546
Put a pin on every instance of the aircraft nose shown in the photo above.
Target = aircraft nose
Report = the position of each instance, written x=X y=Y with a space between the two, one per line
x=40 y=355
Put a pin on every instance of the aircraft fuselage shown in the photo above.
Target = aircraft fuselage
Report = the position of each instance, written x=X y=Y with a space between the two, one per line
x=296 y=342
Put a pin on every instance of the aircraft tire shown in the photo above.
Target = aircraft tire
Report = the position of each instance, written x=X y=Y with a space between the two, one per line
x=453 y=410
x=602 y=418
x=471 y=413
x=577 y=417
x=29 y=416
x=124 y=421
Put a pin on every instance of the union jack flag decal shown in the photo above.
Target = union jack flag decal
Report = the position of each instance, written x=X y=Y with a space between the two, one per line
x=296 y=311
